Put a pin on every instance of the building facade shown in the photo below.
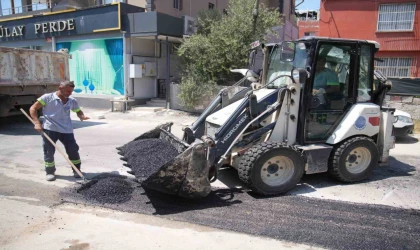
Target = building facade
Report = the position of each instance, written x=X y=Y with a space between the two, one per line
x=394 y=24
x=92 y=35
x=119 y=48
x=289 y=30
x=308 y=23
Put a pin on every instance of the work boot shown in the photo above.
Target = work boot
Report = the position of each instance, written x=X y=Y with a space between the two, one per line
x=50 y=177
x=76 y=175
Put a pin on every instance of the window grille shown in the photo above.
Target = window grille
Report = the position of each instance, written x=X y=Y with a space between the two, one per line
x=395 y=66
x=396 y=17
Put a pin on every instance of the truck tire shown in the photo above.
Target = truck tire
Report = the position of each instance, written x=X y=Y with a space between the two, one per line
x=353 y=160
x=271 y=168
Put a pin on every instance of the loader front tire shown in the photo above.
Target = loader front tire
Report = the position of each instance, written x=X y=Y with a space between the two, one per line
x=353 y=160
x=271 y=168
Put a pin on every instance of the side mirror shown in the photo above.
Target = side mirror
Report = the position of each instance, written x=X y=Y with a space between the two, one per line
x=287 y=50
x=252 y=58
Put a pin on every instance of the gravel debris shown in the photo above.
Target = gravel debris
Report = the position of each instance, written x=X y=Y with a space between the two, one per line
x=145 y=157
x=110 y=189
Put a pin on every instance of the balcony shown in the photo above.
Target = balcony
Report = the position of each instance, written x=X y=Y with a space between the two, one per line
x=16 y=8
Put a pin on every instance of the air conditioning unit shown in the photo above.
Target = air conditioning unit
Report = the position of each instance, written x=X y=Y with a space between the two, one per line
x=189 y=25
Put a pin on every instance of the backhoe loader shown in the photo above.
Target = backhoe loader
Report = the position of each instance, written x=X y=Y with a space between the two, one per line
x=302 y=114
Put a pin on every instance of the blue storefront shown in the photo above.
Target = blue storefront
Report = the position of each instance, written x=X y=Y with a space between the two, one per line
x=92 y=36
x=103 y=41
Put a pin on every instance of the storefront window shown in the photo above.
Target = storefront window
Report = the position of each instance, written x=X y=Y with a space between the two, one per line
x=96 y=66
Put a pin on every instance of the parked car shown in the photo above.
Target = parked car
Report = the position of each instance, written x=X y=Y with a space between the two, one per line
x=403 y=124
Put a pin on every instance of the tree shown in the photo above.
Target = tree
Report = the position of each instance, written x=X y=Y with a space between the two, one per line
x=205 y=19
x=222 y=43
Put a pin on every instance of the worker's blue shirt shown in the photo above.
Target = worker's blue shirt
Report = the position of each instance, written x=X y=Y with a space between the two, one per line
x=56 y=114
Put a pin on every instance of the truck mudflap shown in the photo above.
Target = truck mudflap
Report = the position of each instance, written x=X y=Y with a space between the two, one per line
x=186 y=175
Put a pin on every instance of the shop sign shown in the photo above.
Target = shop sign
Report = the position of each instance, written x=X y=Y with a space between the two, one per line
x=8 y=32
x=40 y=28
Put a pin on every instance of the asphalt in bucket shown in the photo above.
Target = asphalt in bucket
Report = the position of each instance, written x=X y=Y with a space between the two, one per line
x=145 y=157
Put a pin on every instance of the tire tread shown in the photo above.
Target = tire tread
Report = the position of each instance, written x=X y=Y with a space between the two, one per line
x=334 y=162
x=248 y=160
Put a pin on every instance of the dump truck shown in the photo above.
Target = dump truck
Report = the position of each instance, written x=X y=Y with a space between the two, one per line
x=27 y=74
x=303 y=114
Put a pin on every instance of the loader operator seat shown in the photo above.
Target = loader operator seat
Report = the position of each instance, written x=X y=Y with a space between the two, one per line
x=326 y=84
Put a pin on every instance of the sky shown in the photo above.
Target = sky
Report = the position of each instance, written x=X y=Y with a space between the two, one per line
x=308 y=4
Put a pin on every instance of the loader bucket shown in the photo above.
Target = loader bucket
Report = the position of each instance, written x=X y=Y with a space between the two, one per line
x=186 y=175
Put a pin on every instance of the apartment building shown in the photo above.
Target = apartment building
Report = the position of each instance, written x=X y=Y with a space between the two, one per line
x=392 y=23
x=118 y=47
x=308 y=22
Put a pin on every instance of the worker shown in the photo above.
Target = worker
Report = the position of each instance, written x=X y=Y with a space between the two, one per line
x=57 y=125
x=326 y=81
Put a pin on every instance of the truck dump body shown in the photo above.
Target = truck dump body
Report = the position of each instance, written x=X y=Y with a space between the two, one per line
x=20 y=67
x=27 y=74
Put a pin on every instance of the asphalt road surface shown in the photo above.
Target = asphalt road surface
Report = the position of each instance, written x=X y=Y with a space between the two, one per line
x=379 y=213
x=323 y=223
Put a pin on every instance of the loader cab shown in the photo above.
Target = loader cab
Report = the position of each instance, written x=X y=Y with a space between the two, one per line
x=341 y=74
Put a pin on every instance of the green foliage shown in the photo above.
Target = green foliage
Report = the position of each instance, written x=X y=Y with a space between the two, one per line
x=191 y=92
x=205 y=19
x=221 y=43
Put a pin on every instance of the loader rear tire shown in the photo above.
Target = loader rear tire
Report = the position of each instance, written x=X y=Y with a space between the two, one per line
x=271 y=168
x=353 y=160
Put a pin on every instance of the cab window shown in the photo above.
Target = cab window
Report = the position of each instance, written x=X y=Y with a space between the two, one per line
x=364 y=89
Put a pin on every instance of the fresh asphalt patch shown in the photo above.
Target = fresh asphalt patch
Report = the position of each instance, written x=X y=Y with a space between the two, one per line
x=107 y=190
x=316 y=222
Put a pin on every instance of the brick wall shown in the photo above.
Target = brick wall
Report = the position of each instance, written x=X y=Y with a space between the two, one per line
x=308 y=26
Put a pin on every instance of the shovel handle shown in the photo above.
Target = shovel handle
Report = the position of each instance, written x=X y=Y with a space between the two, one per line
x=58 y=149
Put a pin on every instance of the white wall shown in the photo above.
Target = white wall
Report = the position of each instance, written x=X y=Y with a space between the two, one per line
x=174 y=73
x=143 y=50
x=140 y=51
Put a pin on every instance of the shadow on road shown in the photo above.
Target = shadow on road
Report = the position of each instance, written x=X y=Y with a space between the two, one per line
x=20 y=125
x=16 y=125
x=395 y=168
x=406 y=140
x=85 y=124
x=167 y=204
x=310 y=183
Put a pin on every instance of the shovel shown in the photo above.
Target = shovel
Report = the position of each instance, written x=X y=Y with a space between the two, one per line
x=59 y=150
